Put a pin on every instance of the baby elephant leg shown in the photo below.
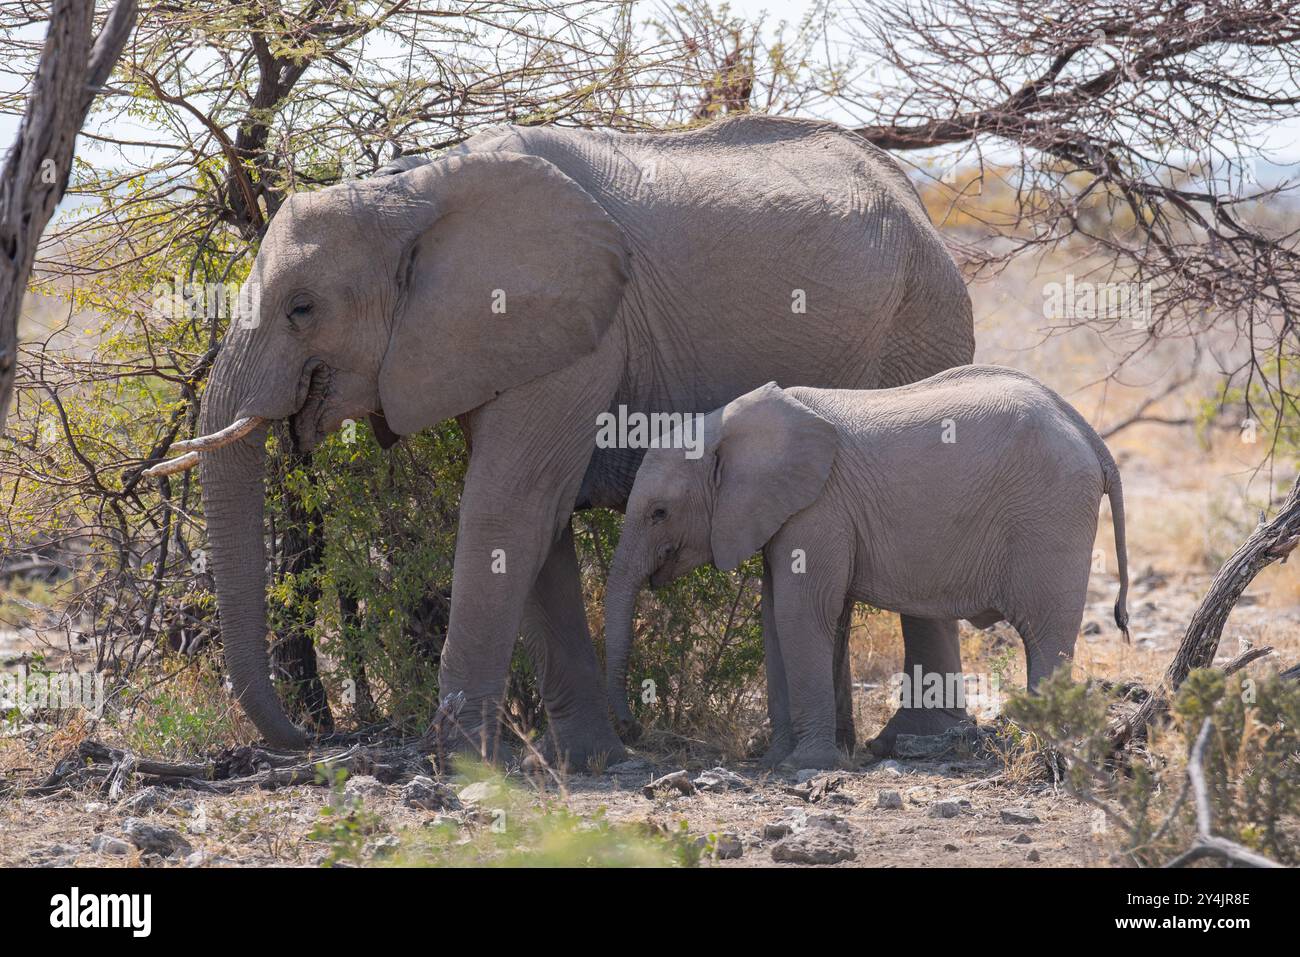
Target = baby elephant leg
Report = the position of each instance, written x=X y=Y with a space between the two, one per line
x=778 y=698
x=1049 y=639
x=808 y=606
x=1049 y=626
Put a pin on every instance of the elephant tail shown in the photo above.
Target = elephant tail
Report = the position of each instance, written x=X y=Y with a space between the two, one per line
x=1115 y=492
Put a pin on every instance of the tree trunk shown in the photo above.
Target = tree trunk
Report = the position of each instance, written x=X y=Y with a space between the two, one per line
x=36 y=170
x=293 y=655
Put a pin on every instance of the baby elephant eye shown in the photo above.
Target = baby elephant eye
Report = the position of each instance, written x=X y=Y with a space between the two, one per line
x=659 y=514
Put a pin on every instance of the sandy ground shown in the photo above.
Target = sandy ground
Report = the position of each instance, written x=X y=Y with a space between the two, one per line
x=261 y=829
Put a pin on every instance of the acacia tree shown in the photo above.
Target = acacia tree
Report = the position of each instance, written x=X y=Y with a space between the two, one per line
x=1129 y=125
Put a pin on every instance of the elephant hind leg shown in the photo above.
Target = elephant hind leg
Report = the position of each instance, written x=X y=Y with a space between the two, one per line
x=932 y=646
x=559 y=644
x=1049 y=639
x=1049 y=603
x=846 y=738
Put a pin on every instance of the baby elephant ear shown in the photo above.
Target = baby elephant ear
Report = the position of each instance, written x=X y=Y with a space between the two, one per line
x=774 y=455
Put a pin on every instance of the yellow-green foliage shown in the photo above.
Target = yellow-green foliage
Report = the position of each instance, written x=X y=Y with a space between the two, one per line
x=182 y=709
x=1265 y=406
x=344 y=823
x=515 y=832
x=1252 y=762
x=389 y=522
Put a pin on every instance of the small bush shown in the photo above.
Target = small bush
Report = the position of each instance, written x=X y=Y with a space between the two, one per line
x=344 y=823
x=182 y=709
x=697 y=658
x=1251 y=762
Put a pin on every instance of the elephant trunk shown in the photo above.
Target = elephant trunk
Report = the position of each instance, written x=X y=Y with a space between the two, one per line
x=620 y=605
x=233 y=502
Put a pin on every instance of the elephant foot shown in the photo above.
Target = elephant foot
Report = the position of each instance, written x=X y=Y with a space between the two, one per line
x=818 y=756
x=780 y=749
x=915 y=721
x=582 y=751
x=470 y=744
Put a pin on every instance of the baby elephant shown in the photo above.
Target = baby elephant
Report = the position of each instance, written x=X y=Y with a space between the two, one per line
x=972 y=494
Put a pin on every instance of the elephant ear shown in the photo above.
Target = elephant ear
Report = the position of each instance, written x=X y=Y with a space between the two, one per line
x=773 y=456
x=514 y=271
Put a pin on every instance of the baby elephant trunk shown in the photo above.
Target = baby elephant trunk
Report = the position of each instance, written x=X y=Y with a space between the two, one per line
x=620 y=607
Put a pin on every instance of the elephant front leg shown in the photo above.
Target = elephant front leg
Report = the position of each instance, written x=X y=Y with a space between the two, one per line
x=559 y=644
x=497 y=560
x=932 y=647
x=809 y=602
x=530 y=448
x=778 y=698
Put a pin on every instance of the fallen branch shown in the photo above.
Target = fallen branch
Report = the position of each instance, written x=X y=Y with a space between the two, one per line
x=234 y=769
x=1206 y=843
x=1245 y=658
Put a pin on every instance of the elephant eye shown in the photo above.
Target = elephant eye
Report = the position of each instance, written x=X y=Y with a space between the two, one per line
x=299 y=311
x=658 y=515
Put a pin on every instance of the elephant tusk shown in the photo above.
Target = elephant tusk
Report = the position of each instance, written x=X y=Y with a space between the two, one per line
x=172 y=466
x=231 y=433
x=204 y=443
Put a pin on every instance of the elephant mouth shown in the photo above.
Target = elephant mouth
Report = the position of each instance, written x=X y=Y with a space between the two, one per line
x=307 y=425
x=660 y=577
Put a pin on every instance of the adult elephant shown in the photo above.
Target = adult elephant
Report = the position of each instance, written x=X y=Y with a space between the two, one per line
x=529 y=281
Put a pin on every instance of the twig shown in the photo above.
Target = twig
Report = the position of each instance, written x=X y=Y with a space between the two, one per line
x=1245 y=658
x=1206 y=843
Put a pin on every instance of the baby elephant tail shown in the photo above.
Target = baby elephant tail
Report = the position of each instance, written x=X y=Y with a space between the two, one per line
x=1115 y=492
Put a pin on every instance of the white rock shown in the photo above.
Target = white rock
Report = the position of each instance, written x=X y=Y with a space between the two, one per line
x=107 y=844
x=889 y=800
x=479 y=791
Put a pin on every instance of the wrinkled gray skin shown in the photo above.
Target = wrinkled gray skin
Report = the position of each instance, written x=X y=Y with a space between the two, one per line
x=653 y=271
x=860 y=488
